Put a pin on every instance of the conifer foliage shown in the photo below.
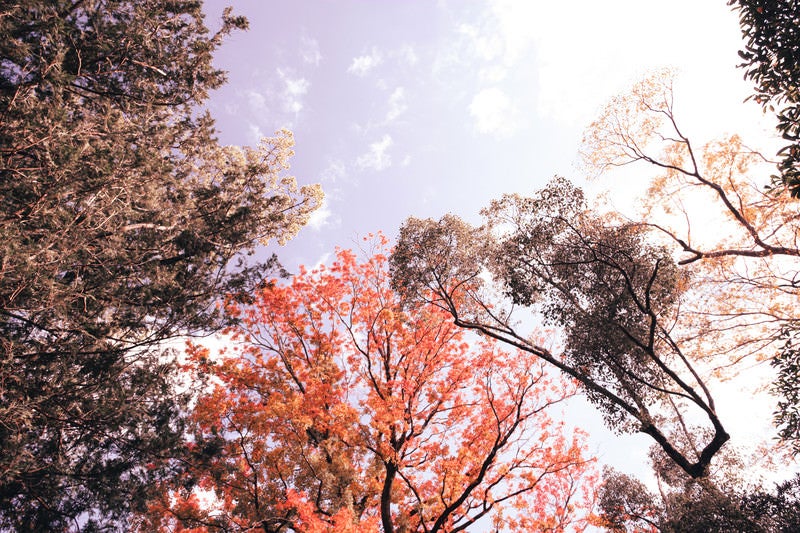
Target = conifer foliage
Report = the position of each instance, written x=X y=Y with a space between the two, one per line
x=122 y=218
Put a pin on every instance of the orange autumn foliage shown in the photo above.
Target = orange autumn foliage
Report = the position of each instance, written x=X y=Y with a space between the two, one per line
x=709 y=204
x=338 y=407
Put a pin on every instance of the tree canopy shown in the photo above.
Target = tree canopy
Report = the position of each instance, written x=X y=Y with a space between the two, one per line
x=771 y=60
x=613 y=297
x=745 y=307
x=123 y=220
x=338 y=408
x=625 y=504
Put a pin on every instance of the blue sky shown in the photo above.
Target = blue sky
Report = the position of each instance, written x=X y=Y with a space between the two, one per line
x=420 y=108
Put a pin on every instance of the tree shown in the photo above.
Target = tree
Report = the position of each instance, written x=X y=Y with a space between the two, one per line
x=613 y=297
x=746 y=304
x=336 y=408
x=772 y=61
x=785 y=386
x=771 y=57
x=778 y=511
x=626 y=505
x=122 y=221
x=684 y=505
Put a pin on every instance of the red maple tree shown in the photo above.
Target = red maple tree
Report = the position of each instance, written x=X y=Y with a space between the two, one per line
x=339 y=407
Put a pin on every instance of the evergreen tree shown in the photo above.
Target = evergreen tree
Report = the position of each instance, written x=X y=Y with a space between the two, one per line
x=122 y=222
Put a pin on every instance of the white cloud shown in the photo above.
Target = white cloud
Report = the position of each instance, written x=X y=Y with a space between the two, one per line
x=309 y=51
x=256 y=100
x=492 y=73
x=320 y=217
x=570 y=65
x=297 y=87
x=333 y=172
x=293 y=91
x=363 y=64
x=488 y=45
x=397 y=104
x=232 y=108
x=377 y=157
x=606 y=50
x=408 y=55
x=514 y=28
x=494 y=113
x=254 y=133
x=495 y=43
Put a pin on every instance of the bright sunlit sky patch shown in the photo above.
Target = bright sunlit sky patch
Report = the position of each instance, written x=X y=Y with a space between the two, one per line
x=422 y=108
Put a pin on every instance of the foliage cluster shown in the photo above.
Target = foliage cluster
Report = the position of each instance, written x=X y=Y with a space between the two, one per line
x=614 y=296
x=625 y=504
x=339 y=409
x=771 y=59
x=122 y=221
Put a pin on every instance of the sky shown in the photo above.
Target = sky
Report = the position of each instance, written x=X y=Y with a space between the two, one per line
x=421 y=108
